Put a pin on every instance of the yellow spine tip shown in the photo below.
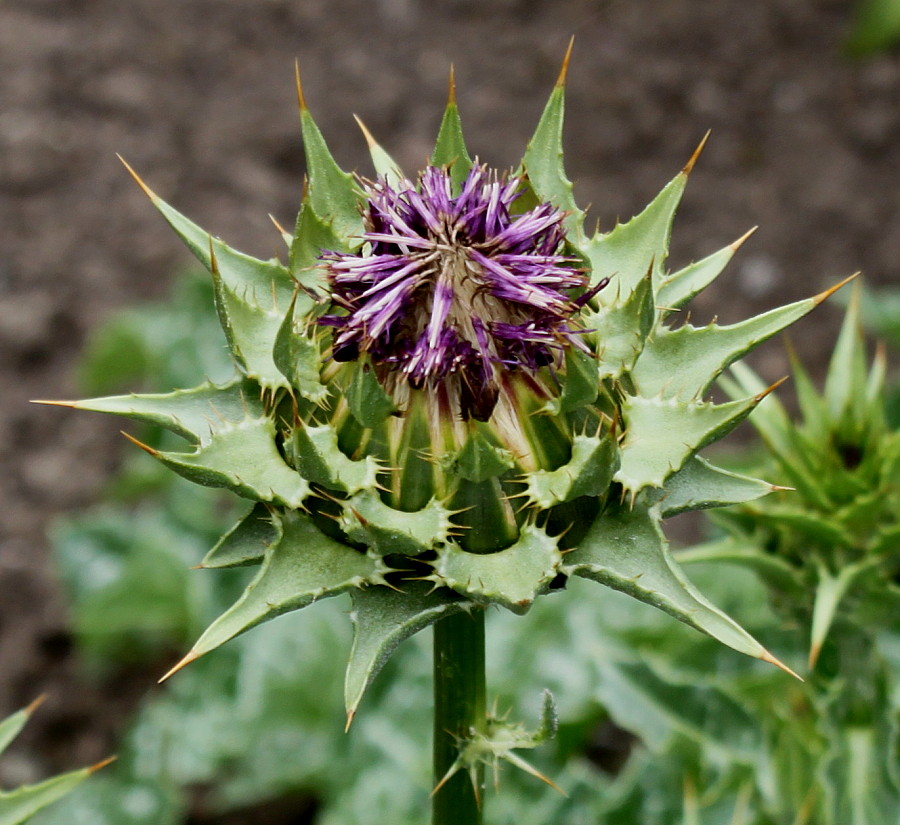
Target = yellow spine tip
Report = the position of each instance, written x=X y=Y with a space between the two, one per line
x=768 y=657
x=689 y=166
x=736 y=245
x=451 y=87
x=192 y=656
x=563 y=72
x=822 y=296
x=301 y=100
x=53 y=403
x=814 y=652
x=351 y=715
x=770 y=389
x=370 y=140
x=35 y=704
x=137 y=178
x=102 y=764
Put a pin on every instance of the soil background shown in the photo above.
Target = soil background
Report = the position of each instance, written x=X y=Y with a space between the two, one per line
x=198 y=95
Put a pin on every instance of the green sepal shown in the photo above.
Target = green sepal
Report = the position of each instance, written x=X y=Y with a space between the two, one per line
x=365 y=518
x=311 y=236
x=620 y=329
x=385 y=166
x=315 y=453
x=301 y=566
x=626 y=550
x=594 y=462
x=333 y=195
x=543 y=164
x=699 y=485
x=684 y=362
x=244 y=275
x=20 y=805
x=382 y=618
x=297 y=357
x=450 y=148
x=580 y=383
x=661 y=435
x=480 y=458
x=367 y=400
x=251 y=330
x=626 y=253
x=513 y=577
x=246 y=542
x=679 y=288
x=242 y=457
x=194 y=414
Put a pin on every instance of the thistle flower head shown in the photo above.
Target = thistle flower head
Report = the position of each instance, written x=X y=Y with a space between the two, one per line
x=451 y=289
x=439 y=407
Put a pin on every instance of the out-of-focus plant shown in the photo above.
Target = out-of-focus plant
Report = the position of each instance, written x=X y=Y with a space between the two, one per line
x=452 y=398
x=20 y=805
x=876 y=27
x=826 y=549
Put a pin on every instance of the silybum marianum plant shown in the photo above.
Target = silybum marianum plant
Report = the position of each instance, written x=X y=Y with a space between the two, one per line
x=450 y=397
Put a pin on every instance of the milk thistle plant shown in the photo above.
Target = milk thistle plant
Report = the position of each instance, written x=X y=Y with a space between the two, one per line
x=453 y=397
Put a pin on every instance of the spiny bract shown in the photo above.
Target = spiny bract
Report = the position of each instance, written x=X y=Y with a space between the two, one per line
x=452 y=396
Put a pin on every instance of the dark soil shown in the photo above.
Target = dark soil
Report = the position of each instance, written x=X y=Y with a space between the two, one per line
x=198 y=96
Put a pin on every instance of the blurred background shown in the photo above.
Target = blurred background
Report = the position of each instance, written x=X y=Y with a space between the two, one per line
x=802 y=98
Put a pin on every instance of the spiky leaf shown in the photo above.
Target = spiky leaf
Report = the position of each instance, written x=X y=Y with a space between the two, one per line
x=382 y=618
x=625 y=549
x=301 y=565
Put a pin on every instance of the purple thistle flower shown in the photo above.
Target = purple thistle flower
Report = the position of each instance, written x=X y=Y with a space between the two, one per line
x=455 y=289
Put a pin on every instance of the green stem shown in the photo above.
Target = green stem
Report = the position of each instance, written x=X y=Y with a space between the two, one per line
x=459 y=708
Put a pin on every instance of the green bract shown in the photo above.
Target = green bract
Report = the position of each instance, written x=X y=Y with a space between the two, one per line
x=356 y=487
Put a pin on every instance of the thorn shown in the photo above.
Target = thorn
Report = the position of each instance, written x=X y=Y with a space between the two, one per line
x=451 y=87
x=768 y=657
x=370 y=140
x=145 y=447
x=278 y=226
x=817 y=299
x=198 y=567
x=521 y=764
x=301 y=101
x=561 y=80
x=72 y=404
x=689 y=166
x=35 y=704
x=736 y=245
x=759 y=397
x=147 y=190
x=777 y=488
x=192 y=656
x=351 y=715
x=102 y=764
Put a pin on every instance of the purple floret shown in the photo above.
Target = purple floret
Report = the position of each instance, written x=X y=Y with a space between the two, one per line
x=453 y=287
